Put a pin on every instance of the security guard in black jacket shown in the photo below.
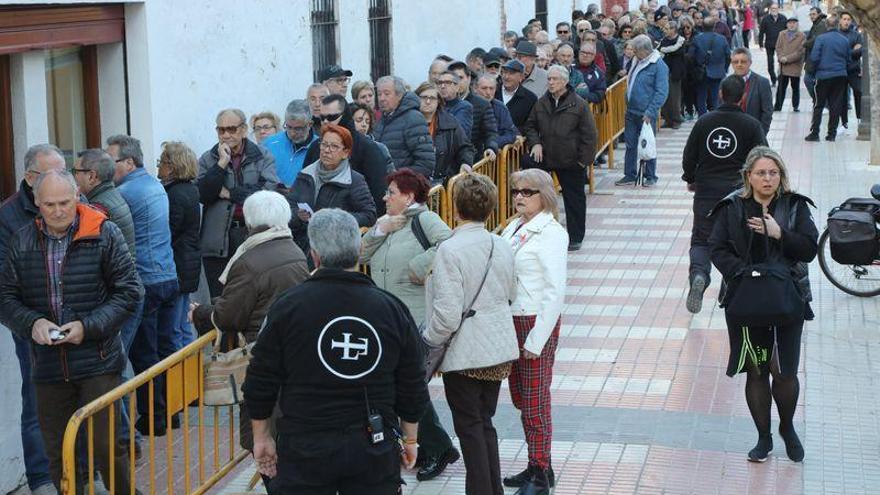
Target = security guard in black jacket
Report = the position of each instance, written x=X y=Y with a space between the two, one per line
x=714 y=154
x=346 y=360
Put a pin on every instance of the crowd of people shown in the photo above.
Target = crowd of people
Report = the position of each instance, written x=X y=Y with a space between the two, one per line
x=99 y=260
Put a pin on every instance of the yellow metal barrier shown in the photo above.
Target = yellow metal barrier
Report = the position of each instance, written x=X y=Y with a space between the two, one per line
x=184 y=379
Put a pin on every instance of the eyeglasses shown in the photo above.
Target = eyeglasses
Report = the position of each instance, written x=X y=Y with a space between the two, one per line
x=582 y=30
x=526 y=193
x=229 y=129
x=330 y=117
x=261 y=128
x=297 y=129
x=331 y=147
x=560 y=31
x=445 y=82
x=429 y=97
x=80 y=170
x=766 y=173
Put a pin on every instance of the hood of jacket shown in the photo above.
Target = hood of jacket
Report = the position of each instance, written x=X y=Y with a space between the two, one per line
x=90 y=221
x=409 y=102
x=344 y=178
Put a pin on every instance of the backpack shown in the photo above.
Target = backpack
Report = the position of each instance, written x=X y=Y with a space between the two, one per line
x=852 y=231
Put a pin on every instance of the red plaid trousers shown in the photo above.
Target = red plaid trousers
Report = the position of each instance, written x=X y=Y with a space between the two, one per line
x=530 y=381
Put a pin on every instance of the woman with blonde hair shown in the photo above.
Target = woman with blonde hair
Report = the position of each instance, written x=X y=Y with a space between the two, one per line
x=264 y=125
x=767 y=223
x=540 y=247
x=178 y=168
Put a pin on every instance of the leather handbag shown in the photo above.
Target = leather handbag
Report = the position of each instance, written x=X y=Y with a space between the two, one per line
x=434 y=354
x=225 y=373
x=765 y=294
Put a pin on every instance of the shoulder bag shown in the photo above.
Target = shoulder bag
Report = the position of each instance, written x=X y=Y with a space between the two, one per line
x=434 y=354
x=765 y=294
x=419 y=232
x=225 y=373
x=699 y=74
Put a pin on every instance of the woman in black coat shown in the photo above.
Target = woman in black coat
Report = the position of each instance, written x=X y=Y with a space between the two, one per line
x=766 y=221
x=178 y=167
x=329 y=182
x=451 y=144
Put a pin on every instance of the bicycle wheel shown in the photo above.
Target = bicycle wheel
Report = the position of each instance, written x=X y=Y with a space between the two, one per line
x=857 y=280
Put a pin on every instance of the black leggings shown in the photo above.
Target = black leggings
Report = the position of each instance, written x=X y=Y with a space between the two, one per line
x=784 y=390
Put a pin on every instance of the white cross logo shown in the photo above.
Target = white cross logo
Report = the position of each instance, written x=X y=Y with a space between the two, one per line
x=721 y=142
x=347 y=346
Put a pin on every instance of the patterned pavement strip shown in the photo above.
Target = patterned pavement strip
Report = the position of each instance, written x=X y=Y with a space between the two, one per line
x=641 y=404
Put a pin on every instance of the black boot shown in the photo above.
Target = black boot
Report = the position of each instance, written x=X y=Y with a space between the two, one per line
x=538 y=484
x=520 y=479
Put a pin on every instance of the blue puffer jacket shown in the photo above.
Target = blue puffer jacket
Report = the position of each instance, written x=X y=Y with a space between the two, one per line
x=648 y=87
x=718 y=60
x=830 y=55
x=405 y=132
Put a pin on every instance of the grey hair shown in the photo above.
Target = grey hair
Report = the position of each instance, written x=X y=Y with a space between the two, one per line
x=335 y=236
x=642 y=43
x=34 y=152
x=234 y=111
x=455 y=76
x=565 y=46
x=317 y=86
x=742 y=51
x=129 y=147
x=832 y=22
x=266 y=209
x=589 y=44
x=562 y=71
x=298 y=110
x=64 y=175
x=399 y=83
x=486 y=76
x=98 y=160
x=672 y=25
x=510 y=34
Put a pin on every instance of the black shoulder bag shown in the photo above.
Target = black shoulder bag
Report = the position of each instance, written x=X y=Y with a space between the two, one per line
x=419 y=232
x=699 y=74
x=765 y=293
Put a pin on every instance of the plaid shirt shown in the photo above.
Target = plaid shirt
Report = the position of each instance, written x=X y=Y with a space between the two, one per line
x=56 y=250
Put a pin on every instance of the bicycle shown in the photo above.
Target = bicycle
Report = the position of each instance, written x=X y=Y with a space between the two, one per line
x=862 y=280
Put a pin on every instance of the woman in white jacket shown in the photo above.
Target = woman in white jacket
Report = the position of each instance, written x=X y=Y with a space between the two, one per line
x=540 y=245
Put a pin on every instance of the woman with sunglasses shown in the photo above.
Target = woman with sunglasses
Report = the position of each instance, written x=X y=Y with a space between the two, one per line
x=539 y=246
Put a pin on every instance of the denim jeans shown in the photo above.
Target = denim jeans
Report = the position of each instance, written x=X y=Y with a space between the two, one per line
x=153 y=342
x=631 y=133
x=182 y=331
x=36 y=463
x=127 y=335
x=707 y=95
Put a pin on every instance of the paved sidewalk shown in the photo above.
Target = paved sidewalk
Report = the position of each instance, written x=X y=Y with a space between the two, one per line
x=641 y=404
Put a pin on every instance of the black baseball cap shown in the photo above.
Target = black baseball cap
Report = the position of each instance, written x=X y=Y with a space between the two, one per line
x=332 y=71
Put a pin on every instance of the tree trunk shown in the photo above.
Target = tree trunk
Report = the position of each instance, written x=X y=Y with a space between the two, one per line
x=867 y=14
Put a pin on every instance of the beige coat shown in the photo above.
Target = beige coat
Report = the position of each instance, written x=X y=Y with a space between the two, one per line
x=394 y=256
x=487 y=338
x=792 y=53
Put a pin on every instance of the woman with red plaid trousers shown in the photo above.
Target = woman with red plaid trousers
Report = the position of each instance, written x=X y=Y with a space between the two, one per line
x=540 y=245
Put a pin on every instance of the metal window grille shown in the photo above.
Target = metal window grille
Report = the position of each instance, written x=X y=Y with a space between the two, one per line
x=541 y=13
x=324 y=24
x=380 y=38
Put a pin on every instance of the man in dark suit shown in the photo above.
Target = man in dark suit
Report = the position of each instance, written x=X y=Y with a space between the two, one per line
x=513 y=94
x=758 y=99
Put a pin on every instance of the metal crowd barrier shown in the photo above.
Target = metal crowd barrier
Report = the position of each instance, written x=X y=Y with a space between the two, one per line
x=184 y=379
x=184 y=374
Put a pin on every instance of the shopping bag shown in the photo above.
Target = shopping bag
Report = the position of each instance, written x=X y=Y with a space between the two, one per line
x=647 y=143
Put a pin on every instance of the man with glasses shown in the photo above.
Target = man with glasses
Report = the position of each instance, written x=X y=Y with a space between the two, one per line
x=484 y=133
x=336 y=79
x=16 y=212
x=229 y=172
x=563 y=32
x=292 y=146
x=715 y=152
x=463 y=111
x=314 y=95
x=153 y=339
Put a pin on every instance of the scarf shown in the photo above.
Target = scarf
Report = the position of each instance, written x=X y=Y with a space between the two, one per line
x=253 y=241
x=323 y=176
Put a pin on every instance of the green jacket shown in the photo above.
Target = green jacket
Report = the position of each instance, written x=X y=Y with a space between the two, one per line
x=392 y=257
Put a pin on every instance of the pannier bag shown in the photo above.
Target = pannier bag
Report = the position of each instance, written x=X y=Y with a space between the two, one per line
x=852 y=232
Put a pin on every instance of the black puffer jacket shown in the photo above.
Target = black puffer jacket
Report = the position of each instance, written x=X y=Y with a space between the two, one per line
x=452 y=146
x=185 y=220
x=100 y=289
x=107 y=198
x=405 y=132
x=16 y=212
x=484 y=133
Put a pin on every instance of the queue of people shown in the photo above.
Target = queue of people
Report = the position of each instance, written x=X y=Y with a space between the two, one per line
x=273 y=220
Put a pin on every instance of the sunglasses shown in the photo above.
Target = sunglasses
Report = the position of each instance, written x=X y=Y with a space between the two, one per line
x=526 y=193
x=330 y=117
x=563 y=31
x=229 y=129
